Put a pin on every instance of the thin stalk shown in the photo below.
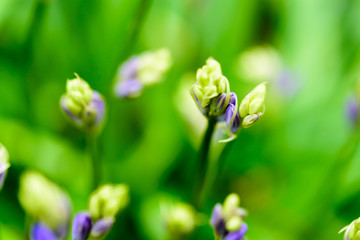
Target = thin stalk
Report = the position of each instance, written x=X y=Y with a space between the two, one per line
x=203 y=164
x=91 y=142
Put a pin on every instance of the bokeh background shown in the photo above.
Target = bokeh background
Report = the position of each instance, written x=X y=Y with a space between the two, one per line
x=296 y=170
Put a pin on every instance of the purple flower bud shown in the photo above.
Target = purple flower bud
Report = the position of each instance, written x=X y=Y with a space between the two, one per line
x=239 y=234
x=233 y=98
x=352 y=110
x=81 y=226
x=128 y=88
x=232 y=121
x=40 y=231
x=101 y=228
x=129 y=69
x=217 y=221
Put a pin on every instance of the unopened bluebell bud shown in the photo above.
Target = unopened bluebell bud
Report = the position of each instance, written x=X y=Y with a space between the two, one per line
x=210 y=83
x=352 y=231
x=239 y=234
x=4 y=164
x=40 y=231
x=232 y=116
x=101 y=228
x=44 y=200
x=180 y=219
x=83 y=106
x=219 y=105
x=81 y=226
x=140 y=71
x=252 y=105
x=108 y=200
x=228 y=219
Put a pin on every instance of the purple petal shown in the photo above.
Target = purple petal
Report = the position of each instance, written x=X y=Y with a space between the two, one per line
x=239 y=234
x=233 y=98
x=129 y=69
x=128 y=88
x=77 y=120
x=98 y=104
x=352 y=110
x=217 y=221
x=40 y=231
x=81 y=226
x=101 y=228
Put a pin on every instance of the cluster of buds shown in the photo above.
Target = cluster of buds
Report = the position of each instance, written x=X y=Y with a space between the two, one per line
x=180 y=219
x=4 y=164
x=83 y=106
x=212 y=95
x=352 y=231
x=47 y=204
x=140 y=71
x=227 y=220
x=104 y=204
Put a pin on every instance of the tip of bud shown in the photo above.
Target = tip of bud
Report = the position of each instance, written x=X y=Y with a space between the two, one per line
x=81 y=226
x=101 y=228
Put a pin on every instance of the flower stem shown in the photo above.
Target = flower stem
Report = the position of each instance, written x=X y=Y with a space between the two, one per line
x=91 y=142
x=202 y=178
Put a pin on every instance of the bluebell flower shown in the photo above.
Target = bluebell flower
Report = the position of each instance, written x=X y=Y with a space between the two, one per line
x=83 y=106
x=81 y=226
x=140 y=71
x=227 y=220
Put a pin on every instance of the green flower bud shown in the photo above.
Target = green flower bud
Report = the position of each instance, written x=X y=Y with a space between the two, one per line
x=108 y=200
x=153 y=65
x=233 y=223
x=210 y=83
x=251 y=105
x=352 y=231
x=83 y=106
x=231 y=204
x=180 y=219
x=43 y=200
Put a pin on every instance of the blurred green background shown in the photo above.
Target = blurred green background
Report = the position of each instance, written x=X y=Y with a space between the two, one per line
x=296 y=170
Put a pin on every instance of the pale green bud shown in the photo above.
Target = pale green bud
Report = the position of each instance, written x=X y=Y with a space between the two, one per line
x=233 y=223
x=108 y=200
x=180 y=219
x=153 y=65
x=250 y=120
x=43 y=200
x=254 y=101
x=210 y=82
x=231 y=204
x=352 y=231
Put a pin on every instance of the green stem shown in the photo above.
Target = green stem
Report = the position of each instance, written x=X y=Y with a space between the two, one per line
x=203 y=164
x=91 y=142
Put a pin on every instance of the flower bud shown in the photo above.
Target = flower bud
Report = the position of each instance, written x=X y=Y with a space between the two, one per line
x=211 y=82
x=141 y=70
x=219 y=105
x=44 y=200
x=252 y=104
x=232 y=117
x=352 y=231
x=108 y=200
x=180 y=219
x=227 y=220
x=239 y=234
x=4 y=164
x=101 y=228
x=83 y=106
x=81 y=226
x=40 y=231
